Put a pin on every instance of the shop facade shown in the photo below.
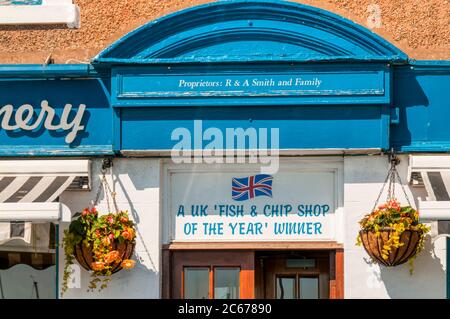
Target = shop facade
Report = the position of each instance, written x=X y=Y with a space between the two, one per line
x=248 y=139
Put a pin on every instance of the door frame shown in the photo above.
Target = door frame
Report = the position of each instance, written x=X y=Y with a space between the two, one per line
x=248 y=274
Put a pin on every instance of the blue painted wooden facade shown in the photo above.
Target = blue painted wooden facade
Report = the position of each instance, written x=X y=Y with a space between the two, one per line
x=323 y=81
x=320 y=79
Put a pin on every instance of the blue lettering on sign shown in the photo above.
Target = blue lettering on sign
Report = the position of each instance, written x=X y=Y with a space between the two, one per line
x=273 y=223
x=277 y=210
x=246 y=228
x=230 y=210
x=199 y=210
x=298 y=228
x=312 y=210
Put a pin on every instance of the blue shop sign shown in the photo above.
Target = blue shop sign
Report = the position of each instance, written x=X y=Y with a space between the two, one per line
x=269 y=84
x=322 y=81
x=43 y=117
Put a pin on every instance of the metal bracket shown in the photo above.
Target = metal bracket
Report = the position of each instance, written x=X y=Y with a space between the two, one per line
x=107 y=163
x=393 y=158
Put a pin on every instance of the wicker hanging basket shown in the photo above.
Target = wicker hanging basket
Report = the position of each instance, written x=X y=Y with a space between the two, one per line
x=85 y=258
x=388 y=246
x=373 y=245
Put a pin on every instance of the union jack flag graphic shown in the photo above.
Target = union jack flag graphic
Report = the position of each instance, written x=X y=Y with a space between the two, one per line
x=252 y=186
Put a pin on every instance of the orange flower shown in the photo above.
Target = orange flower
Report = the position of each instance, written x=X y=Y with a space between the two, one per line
x=128 y=264
x=112 y=256
x=94 y=211
x=124 y=219
x=98 y=265
x=132 y=233
x=85 y=212
x=126 y=234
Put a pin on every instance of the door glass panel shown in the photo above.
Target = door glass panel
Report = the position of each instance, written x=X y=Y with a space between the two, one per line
x=285 y=288
x=196 y=283
x=309 y=288
x=226 y=283
x=27 y=260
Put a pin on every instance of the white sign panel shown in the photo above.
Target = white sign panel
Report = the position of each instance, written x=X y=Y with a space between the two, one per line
x=242 y=206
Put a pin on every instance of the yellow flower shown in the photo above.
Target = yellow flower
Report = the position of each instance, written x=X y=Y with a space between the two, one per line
x=128 y=264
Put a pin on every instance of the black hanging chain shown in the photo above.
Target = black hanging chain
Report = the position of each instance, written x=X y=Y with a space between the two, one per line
x=391 y=179
x=103 y=185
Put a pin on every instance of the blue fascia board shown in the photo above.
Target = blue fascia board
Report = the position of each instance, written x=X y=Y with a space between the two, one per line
x=423 y=67
x=39 y=71
x=420 y=147
x=59 y=150
x=430 y=63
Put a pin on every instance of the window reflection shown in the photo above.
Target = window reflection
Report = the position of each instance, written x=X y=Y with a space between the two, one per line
x=309 y=288
x=196 y=283
x=285 y=288
x=226 y=283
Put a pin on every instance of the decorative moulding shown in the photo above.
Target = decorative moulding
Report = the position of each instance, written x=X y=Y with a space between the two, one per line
x=242 y=31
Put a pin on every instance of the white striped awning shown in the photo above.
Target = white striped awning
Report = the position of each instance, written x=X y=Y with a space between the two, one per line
x=29 y=189
x=28 y=181
x=433 y=173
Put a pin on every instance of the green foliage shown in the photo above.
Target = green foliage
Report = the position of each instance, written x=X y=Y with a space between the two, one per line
x=100 y=234
x=398 y=219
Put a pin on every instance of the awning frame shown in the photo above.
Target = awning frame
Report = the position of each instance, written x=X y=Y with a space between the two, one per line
x=35 y=212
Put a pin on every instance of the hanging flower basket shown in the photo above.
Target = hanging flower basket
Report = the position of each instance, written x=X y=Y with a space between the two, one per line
x=102 y=244
x=86 y=258
x=374 y=244
x=391 y=234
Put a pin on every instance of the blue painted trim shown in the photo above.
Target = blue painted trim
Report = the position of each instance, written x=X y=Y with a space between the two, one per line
x=60 y=150
x=38 y=71
x=116 y=129
x=145 y=44
x=418 y=146
x=423 y=67
x=448 y=267
x=22 y=3
x=437 y=63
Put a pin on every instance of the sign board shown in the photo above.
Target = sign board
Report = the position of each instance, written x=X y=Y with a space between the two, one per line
x=317 y=84
x=244 y=205
x=57 y=117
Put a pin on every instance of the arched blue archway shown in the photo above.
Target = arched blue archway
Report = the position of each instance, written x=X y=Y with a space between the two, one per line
x=232 y=31
x=318 y=77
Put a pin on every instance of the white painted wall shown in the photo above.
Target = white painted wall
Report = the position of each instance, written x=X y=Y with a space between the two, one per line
x=139 y=189
x=363 y=178
x=136 y=182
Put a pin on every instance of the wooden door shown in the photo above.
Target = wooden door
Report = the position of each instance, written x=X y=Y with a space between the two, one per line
x=212 y=274
x=293 y=277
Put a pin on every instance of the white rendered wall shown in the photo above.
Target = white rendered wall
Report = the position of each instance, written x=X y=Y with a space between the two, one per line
x=363 y=178
x=136 y=182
